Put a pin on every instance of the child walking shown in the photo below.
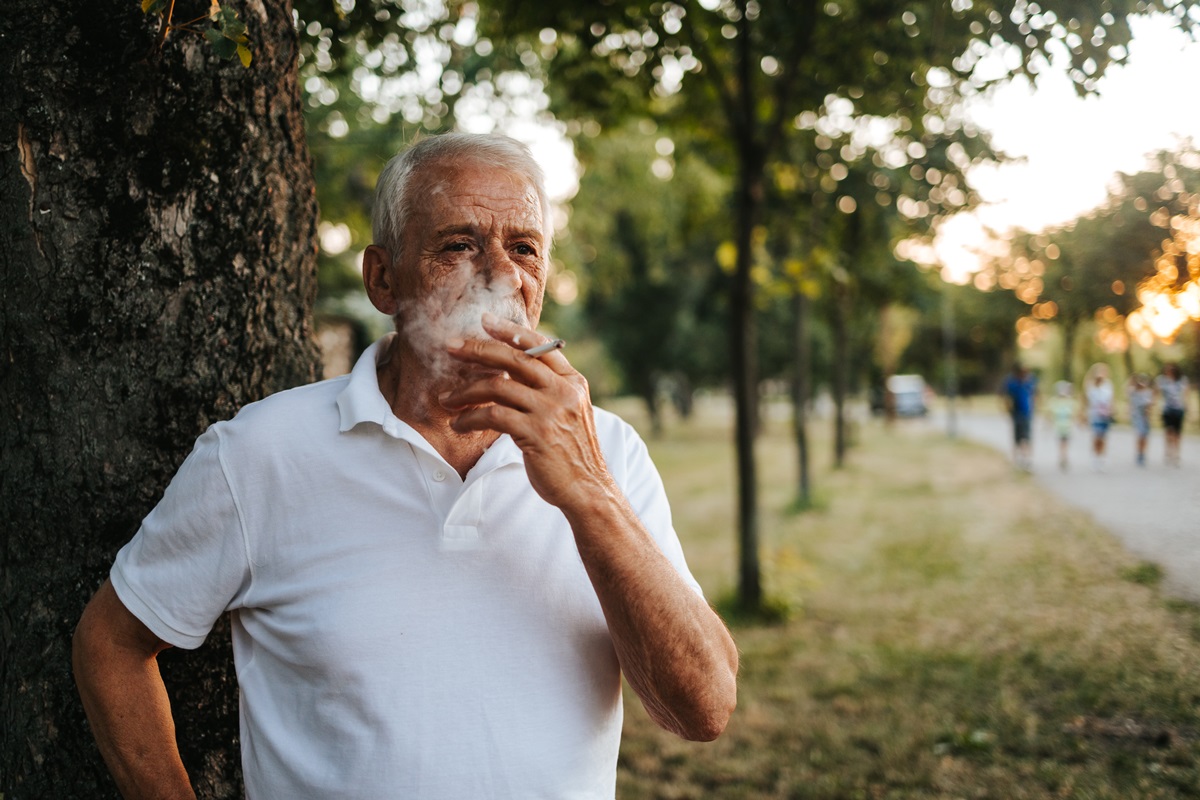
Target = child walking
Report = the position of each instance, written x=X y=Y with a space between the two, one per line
x=1062 y=414
x=1141 y=398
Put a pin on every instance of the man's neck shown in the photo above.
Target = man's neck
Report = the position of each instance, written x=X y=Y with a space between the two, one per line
x=413 y=393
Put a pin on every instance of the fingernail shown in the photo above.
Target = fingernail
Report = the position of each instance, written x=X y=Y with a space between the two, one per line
x=489 y=318
x=454 y=343
x=442 y=397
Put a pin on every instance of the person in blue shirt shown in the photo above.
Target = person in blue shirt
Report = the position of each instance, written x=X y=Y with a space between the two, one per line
x=1020 y=393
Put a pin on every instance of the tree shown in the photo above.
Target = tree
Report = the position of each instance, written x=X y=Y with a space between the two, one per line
x=1100 y=266
x=644 y=228
x=750 y=68
x=158 y=251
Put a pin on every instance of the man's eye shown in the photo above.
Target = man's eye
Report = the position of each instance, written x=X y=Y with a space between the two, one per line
x=458 y=247
x=525 y=250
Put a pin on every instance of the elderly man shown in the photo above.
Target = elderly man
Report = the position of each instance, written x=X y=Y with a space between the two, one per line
x=439 y=566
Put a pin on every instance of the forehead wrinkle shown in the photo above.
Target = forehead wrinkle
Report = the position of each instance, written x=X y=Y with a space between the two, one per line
x=477 y=215
x=477 y=197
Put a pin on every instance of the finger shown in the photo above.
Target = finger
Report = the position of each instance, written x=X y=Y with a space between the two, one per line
x=501 y=419
x=502 y=358
x=509 y=332
x=499 y=389
x=524 y=339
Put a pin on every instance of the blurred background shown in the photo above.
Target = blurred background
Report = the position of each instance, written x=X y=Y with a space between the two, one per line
x=1033 y=199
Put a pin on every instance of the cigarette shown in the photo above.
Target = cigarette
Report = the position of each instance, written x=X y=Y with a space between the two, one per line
x=542 y=349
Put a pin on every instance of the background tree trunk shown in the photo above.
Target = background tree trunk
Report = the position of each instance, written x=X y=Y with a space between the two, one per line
x=1070 y=327
x=801 y=393
x=157 y=241
x=840 y=309
x=744 y=350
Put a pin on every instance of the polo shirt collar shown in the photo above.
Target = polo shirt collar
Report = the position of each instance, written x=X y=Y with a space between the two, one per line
x=362 y=401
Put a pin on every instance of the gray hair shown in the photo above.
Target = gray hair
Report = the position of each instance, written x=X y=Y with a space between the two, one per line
x=393 y=200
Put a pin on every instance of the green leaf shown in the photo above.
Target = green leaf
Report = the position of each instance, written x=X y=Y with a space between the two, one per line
x=225 y=48
x=153 y=6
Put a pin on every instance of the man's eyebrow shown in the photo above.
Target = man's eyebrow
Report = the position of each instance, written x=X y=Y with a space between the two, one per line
x=529 y=233
x=455 y=230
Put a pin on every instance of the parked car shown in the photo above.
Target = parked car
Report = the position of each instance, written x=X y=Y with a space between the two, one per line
x=909 y=394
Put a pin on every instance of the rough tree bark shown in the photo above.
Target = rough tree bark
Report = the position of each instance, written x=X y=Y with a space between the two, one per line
x=157 y=229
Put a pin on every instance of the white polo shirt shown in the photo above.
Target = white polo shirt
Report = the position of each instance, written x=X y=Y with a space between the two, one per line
x=398 y=632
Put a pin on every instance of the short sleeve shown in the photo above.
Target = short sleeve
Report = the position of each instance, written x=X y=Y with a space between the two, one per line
x=188 y=562
x=643 y=488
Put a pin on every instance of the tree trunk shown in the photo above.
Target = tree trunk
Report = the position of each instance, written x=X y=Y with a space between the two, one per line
x=1195 y=377
x=648 y=389
x=1069 y=328
x=745 y=377
x=841 y=371
x=950 y=360
x=157 y=223
x=801 y=391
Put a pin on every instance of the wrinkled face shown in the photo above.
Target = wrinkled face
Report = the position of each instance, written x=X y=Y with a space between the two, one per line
x=474 y=243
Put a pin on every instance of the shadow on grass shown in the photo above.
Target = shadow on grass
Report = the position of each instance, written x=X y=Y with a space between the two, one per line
x=1147 y=573
x=816 y=501
x=771 y=610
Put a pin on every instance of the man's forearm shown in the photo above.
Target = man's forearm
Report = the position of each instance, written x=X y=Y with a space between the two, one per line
x=674 y=650
x=126 y=703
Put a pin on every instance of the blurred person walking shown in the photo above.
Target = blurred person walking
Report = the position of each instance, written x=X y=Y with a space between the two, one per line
x=1098 y=390
x=1020 y=395
x=1172 y=384
x=1063 y=409
x=1141 y=398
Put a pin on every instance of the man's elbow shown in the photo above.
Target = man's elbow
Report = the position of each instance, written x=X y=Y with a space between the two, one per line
x=84 y=643
x=710 y=714
x=712 y=723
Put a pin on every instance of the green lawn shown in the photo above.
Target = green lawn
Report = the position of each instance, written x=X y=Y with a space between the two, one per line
x=956 y=632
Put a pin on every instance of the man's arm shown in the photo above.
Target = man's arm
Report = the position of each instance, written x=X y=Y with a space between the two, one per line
x=116 y=670
x=674 y=650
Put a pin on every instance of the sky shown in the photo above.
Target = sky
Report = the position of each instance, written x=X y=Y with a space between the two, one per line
x=1071 y=147
x=1074 y=147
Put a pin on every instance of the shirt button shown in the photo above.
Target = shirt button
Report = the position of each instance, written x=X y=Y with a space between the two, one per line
x=439 y=476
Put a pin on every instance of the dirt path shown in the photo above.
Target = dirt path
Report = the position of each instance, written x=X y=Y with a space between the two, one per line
x=1154 y=510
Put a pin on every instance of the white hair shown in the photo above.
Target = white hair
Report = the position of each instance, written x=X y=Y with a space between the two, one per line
x=393 y=192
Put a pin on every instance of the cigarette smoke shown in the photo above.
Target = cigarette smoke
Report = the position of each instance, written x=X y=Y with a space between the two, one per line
x=454 y=308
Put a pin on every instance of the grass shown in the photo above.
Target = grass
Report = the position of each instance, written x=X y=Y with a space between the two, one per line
x=954 y=632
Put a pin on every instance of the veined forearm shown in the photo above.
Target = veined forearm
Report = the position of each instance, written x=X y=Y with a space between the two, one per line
x=674 y=650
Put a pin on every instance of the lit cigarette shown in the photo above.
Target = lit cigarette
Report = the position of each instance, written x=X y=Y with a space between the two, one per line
x=542 y=349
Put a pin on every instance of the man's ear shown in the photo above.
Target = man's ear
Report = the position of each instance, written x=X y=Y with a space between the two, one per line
x=378 y=279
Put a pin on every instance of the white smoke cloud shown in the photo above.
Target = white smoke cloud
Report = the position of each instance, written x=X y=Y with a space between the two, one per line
x=455 y=309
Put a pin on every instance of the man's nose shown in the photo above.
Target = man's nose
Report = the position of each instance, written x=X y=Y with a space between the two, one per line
x=499 y=270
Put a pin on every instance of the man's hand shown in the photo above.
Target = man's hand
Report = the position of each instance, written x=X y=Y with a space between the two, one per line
x=542 y=402
x=673 y=649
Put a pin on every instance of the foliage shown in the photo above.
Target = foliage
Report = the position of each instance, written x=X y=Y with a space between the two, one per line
x=1103 y=269
x=224 y=31
x=750 y=69
x=644 y=229
x=376 y=74
x=985 y=324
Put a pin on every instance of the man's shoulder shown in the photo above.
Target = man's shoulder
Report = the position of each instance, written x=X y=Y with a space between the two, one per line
x=285 y=414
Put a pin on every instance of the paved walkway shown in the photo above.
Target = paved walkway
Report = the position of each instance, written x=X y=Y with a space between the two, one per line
x=1154 y=510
